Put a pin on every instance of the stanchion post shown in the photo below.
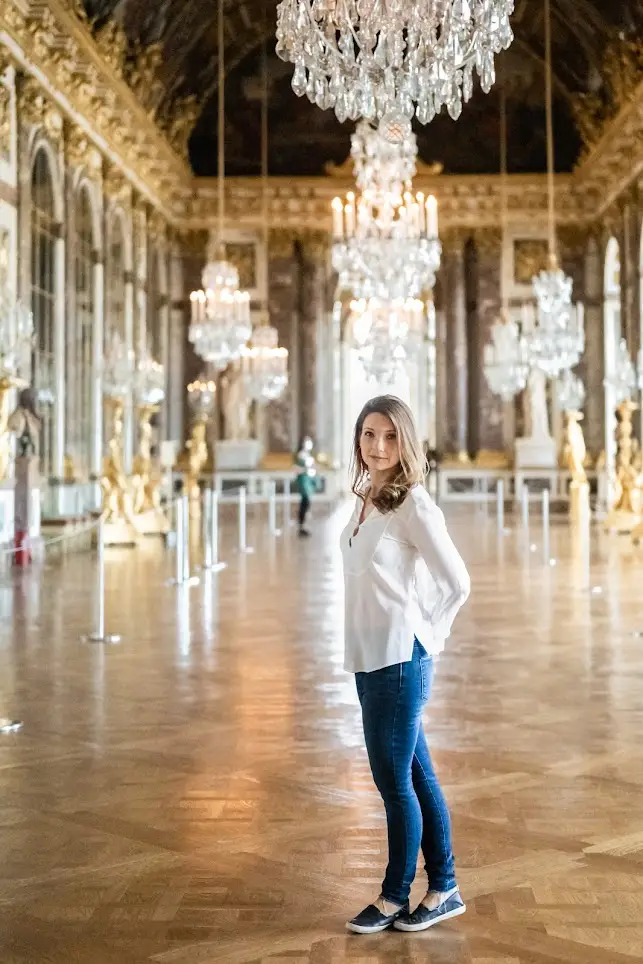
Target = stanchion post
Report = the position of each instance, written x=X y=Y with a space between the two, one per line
x=500 y=505
x=185 y=510
x=524 y=496
x=272 y=509
x=243 y=521
x=585 y=522
x=208 y=550
x=99 y=635
x=180 y=541
x=213 y=537
x=546 y=539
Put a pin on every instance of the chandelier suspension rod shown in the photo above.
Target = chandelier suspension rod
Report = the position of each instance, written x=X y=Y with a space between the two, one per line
x=550 y=136
x=221 y=125
x=503 y=184
x=264 y=151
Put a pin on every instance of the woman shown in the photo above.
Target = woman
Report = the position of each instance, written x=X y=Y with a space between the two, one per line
x=404 y=584
x=25 y=424
x=305 y=480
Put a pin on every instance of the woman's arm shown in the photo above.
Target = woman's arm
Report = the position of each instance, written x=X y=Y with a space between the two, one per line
x=427 y=531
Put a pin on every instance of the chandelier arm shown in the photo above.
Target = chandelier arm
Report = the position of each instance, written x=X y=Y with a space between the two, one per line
x=221 y=124
x=551 y=197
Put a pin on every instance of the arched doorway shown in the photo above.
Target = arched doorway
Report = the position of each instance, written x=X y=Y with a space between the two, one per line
x=612 y=335
x=43 y=300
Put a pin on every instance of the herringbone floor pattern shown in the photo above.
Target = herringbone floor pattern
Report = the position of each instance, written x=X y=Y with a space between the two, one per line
x=201 y=795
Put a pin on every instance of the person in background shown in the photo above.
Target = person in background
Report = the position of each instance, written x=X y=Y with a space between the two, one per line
x=306 y=480
x=24 y=422
x=404 y=583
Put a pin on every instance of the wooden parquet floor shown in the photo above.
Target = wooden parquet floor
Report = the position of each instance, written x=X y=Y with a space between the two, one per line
x=200 y=794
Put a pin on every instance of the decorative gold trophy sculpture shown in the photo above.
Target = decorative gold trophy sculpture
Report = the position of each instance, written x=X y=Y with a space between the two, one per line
x=117 y=508
x=194 y=458
x=626 y=512
x=150 y=392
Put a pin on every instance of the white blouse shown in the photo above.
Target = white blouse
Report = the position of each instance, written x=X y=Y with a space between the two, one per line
x=403 y=578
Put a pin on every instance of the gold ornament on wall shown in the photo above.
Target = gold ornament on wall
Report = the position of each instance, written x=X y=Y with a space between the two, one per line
x=35 y=108
x=5 y=120
x=80 y=152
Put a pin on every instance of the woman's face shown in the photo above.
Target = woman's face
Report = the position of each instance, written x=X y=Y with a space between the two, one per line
x=379 y=444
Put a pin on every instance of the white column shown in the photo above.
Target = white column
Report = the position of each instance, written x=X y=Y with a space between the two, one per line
x=175 y=373
x=59 y=361
x=128 y=409
x=164 y=322
x=97 y=371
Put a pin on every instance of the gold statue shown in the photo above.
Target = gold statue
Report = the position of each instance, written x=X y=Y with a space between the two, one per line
x=146 y=485
x=626 y=513
x=196 y=460
x=117 y=508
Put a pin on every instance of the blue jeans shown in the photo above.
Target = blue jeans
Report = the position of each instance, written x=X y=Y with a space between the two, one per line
x=392 y=701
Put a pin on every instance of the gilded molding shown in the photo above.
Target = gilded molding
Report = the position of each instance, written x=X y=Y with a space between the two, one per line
x=81 y=153
x=34 y=107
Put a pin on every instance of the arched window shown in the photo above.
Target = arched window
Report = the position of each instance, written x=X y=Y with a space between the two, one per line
x=43 y=297
x=115 y=315
x=78 y=407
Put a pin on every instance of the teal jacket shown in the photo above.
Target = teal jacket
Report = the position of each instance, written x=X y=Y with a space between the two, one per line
x=306 y=484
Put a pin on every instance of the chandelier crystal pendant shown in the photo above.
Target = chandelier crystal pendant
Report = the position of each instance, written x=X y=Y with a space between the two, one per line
x=220 y=322
x=383 y=166
x=373 y=58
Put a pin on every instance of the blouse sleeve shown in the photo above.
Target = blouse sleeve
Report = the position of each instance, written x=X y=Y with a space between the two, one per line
x=427 y=531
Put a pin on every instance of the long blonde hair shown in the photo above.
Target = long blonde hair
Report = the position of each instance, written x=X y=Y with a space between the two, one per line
x=411 y=468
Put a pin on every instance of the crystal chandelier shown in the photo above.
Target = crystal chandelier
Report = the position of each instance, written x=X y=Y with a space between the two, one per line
x=201 y=397
x=264 y=365
x=118 y=368
x=386 y=333
x=506 y=364
x=383 y=248
x=16 y=339
x=370 y=58
x=385 y=241
x=623 y=380
x=220 y=322
x=149 y=381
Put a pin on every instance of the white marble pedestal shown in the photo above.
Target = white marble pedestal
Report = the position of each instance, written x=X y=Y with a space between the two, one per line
x=536 y=453
x=237 y=454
